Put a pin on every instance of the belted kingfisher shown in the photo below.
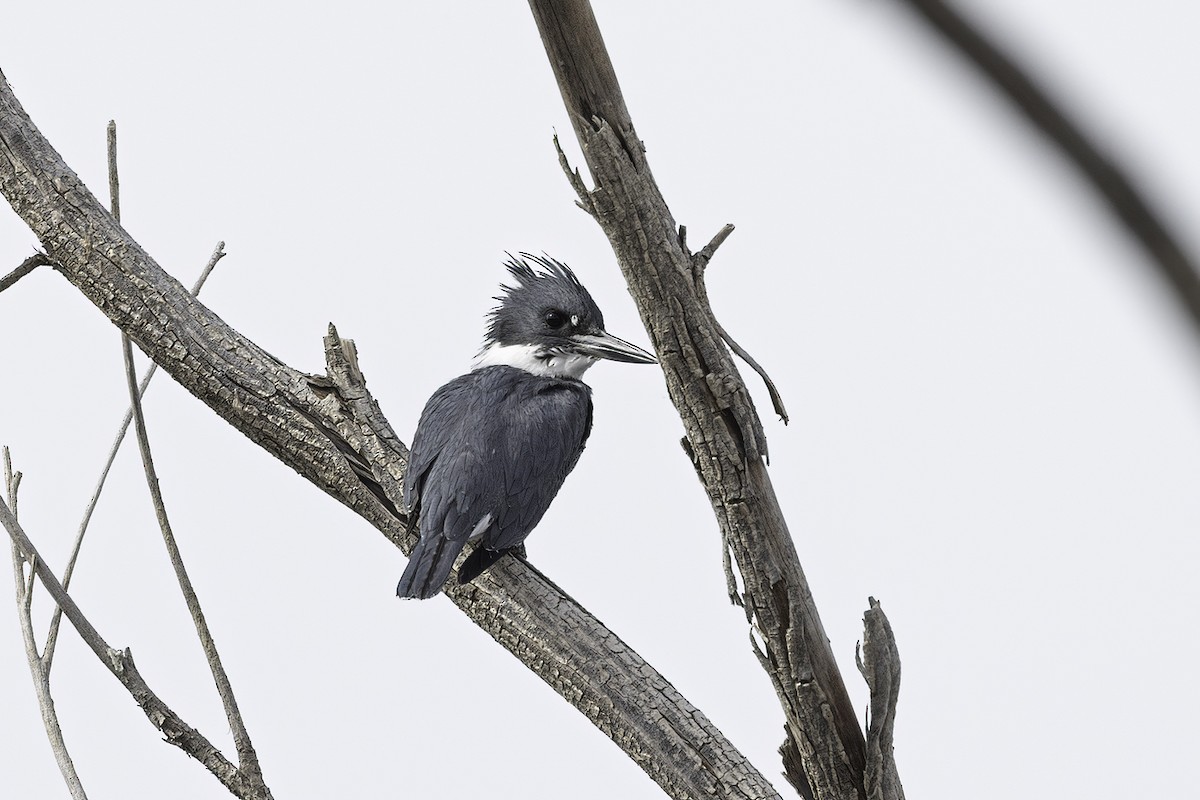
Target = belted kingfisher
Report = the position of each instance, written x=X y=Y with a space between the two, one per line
x=494 y=446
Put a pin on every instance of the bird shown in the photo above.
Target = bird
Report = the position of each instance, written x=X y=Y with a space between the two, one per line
x=493 y=447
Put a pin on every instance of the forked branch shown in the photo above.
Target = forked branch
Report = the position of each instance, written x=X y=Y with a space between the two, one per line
x=120 y=664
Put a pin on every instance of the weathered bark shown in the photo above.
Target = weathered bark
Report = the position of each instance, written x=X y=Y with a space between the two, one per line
x=725 y=440
x=326 y=428
x=879 y=663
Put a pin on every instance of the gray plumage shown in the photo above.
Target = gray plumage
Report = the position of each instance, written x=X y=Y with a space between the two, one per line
x=494 y=446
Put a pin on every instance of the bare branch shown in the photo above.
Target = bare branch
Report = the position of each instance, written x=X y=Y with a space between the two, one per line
x=120 y=664
x=247 y=758
x=700 y=263
x=114 y=184
x=27 y=266
x=12 y=480
x=583 y=198
x=700 y=260
x=719 y=418
x=55 y=620
x=274 y=405
x=1110 y=180
x=37 y=665
x=879 y=662
x=772 y=391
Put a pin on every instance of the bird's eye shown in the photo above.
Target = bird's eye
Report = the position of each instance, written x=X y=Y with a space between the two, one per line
x=555 y=319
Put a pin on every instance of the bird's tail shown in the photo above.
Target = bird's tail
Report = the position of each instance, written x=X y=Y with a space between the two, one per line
x=428 y=567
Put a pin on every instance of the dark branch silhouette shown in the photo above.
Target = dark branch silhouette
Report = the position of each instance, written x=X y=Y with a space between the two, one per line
x=1103 y=172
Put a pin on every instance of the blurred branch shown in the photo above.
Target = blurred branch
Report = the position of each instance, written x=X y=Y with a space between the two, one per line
x=1106 y=176
x=39 y=667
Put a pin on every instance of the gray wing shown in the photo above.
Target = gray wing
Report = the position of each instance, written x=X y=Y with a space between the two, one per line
x=536 y=446
x=492 y=449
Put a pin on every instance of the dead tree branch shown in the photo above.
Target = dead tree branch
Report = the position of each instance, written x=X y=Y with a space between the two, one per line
x=247 y=759
x=248 y=762
x=120 y=664
x=55 y=620
x=24 y=268
x=304 y=422
x=39 y=664
x=724 y=434
x=879 y=662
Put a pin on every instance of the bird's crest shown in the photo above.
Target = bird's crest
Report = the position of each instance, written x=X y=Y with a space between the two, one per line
x=541 y=283
x=551 y=269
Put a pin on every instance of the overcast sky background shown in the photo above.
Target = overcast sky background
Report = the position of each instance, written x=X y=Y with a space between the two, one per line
x=995 y=409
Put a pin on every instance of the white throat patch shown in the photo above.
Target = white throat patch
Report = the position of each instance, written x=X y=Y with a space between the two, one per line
x=534 y=360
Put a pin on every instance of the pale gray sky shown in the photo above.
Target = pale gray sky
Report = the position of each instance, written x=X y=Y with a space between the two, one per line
x=995 y=413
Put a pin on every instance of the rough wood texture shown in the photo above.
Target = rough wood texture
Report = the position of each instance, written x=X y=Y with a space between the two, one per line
x=879 y=663
x=325 y=427
x=724 y=435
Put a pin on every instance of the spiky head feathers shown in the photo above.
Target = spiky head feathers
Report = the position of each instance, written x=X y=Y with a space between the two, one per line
x=544 y=306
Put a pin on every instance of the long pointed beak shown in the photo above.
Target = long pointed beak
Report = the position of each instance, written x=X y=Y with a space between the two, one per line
x=605 y=345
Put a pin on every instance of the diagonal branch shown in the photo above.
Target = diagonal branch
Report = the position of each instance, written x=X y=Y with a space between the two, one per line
x=120 y=664
x=39 y=667
x=275 y=406
x=724 y=433
x=1103 y=172
x=56 y=619
x=247 y=758
x=24 y=268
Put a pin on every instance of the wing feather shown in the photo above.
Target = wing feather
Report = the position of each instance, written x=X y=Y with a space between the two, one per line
x=495 y=441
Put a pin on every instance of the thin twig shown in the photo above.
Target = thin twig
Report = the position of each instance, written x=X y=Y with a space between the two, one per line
x=56 y=619
x=27 y=266
x=247 y=758
x=700 y=262
x=120 y=664
x=114 y=190
x=37 y=664
x=776 y=397
x=12 y=481
x=1107 y=177
x=114 y=187
x=575 y=179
